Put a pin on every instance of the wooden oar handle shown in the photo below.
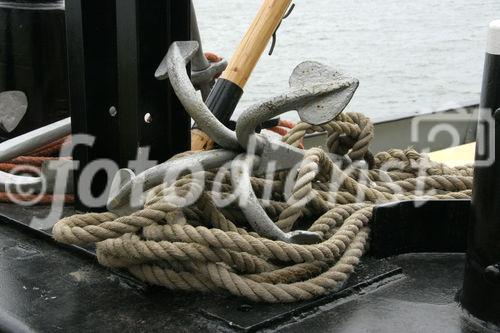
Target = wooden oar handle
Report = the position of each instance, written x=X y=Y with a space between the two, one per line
x=228 y=90
x=255 y=41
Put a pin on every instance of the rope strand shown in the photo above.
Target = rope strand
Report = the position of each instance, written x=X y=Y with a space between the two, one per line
x=204 y=248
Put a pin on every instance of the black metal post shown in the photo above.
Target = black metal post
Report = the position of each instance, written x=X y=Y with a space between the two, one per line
x=179 y=22
x=114 y=48
x=33 y=60
x=149 y=113
x=481 y=292
x=91 y=43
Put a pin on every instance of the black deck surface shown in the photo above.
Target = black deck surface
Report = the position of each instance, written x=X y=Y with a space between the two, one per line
x=46 y=287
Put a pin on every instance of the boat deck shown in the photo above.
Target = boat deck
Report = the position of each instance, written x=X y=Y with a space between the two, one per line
x=48 y=287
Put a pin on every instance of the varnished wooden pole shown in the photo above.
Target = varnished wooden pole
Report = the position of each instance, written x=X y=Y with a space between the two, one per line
x=255 y=41
x=228 y=90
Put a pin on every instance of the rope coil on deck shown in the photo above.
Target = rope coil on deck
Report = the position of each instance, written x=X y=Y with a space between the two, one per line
x=205 y=248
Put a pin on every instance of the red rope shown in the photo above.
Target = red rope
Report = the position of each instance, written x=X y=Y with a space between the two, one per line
x=45 y=199
x=212 y=57
x=50 y=150
x=284 y=126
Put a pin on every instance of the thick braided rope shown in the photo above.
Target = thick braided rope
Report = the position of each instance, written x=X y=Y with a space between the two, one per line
x=189 y=244
x=350 y=134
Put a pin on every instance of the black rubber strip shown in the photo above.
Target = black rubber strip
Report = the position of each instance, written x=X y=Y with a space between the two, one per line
x=223 y=100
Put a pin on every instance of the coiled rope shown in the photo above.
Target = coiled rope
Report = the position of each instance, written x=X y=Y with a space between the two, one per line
x=204 y=248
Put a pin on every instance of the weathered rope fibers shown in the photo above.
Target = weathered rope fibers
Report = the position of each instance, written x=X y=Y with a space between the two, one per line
x=203 y=248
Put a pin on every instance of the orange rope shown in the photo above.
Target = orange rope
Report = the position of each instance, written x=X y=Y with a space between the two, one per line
x=36 y=161
x=279 y=130
x=45 y=199
x=212 y=57
x=50 y=149
x=20 y=169
x=283 y=128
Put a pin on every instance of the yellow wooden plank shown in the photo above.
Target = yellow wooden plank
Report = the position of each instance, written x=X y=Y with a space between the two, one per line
x=455 y=156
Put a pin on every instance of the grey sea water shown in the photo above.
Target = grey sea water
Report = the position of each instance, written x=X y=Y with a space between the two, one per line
x=410 y=55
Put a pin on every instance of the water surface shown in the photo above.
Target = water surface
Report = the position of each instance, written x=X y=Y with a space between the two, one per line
x=410 y=55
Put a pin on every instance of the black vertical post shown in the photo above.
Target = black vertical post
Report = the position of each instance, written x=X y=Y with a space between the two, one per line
x=145 y=30
x=91 y=44
x=180 y=122
x=128 y=78
x=481 y=292
x=33 y=60
x=118 y=46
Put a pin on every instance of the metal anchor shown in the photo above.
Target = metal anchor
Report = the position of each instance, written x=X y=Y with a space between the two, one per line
x=203 y=72
x=173 y=67
x=121 y=201
x=30 y=141
x=317 y=92
x=313 y=87
x=13 y=107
